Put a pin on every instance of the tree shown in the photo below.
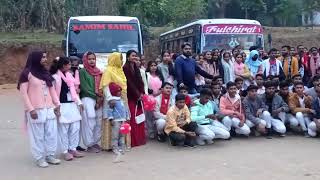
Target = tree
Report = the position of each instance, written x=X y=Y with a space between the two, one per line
x=219 y=6
x=253 y=6
x=310 y=6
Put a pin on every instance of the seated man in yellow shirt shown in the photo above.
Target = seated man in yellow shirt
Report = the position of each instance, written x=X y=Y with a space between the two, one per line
x=179 y=128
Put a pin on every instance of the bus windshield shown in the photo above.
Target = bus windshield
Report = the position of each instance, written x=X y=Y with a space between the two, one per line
x=103 y=38
x=229 y=41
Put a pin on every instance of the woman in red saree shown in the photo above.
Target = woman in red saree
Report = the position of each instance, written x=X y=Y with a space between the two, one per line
x=135 y=88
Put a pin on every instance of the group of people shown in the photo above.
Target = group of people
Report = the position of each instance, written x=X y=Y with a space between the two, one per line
x=214 y=95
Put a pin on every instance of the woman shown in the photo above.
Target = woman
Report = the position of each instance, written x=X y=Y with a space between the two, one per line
x=41 y=108
x=69 y=122
x=213 y=67
x=254 y=64
x=242 y=71
x=143 y=73
x=228 y=68
x=200 y=80
x=92 y=100
x=166 y=67
x=113 y=73
x=135 y=89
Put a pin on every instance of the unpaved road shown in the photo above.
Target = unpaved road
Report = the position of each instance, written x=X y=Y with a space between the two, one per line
x=289 y=158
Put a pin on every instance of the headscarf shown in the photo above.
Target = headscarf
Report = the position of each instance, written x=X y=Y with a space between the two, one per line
x=93 y=71
x=114 y=72
x=34 y=67
x=253 y=65
x=114 y=88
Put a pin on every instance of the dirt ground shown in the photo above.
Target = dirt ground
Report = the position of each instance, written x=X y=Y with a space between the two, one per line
x=289 y=158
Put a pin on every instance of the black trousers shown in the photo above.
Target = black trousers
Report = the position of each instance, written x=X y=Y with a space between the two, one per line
x=180 y=138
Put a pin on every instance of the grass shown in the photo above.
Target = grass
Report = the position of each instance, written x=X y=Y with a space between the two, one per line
x=31 y=37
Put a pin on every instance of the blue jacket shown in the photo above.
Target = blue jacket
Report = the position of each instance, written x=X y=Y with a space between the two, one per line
x=186 y=69
x=119 y=112
x=316 y=107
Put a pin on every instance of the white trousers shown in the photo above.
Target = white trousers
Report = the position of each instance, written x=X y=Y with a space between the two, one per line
x=212 y=131
x=269 y=122
x=312 y=129
x=42 y=133
x=234 y=122
x=289 y=118
x=91 y=122
x=69 y=134
x=303 y=120
x=160 y=124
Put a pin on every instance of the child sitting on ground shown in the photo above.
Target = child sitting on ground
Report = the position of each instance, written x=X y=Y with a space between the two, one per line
x=184 y=90
x=117 y=113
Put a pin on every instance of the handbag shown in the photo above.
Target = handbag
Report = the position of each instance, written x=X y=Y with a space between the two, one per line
x=141 y=118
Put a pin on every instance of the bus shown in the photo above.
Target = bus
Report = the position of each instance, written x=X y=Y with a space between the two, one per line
x=209 y=34
x=102 y=35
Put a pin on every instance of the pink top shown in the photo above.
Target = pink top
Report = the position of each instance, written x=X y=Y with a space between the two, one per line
x=238 y=68
x=37 y=95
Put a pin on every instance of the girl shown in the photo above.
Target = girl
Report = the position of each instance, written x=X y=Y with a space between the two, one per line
x=69 y=122
x=228 y=67
x=112 y=74
x=166 y=67
x=214 y=67
x=154 y=79
x=200 y=81
x=241 y=70
x=41 y=108
x=92 y=100
x=135 y=91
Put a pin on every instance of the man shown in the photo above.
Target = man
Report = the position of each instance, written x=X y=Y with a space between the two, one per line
x=296 y=78
x=314 y=126
x=204 y=114
x=230 y=106
x=216 y=92
x=259 y=81
x=312 y=91
x=256 y=112
x=287 y=118
x=186 y=69
x=301 y=106
x=289 y=62
x=276 y=106
x=163 y=102
x=179 y=128
x=272 y=66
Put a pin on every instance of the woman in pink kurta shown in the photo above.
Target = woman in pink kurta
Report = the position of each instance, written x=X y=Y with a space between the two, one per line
x=41 y=108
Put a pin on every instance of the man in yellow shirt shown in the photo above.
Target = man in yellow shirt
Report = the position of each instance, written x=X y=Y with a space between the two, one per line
x=179 y=128
x=290 y=63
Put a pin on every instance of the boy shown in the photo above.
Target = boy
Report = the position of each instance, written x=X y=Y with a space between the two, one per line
x=239 y=84
x=184 y=90
x=204 y=114
x=117 y=114
x=219 y=80
x=179 y=128
x=296 y=78
x=163 y=102
x=256 y=112
x=259 y=82
x=301 y=106
x=277 y=107
x=216 y=92
x=230 y=106
x=312 y=91
x=287 y=117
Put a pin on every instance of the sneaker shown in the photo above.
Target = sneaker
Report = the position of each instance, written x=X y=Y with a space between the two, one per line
x=200 y=142
x=209 y=142
x=118 y=157
x=76 y=154
x=161 y=137
x=97 y=147
x=79 y=148
x=53 y=160
x=68 y=156
x=42 y=163
x=93 y=150
x=306 y=134
x=282 y=135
